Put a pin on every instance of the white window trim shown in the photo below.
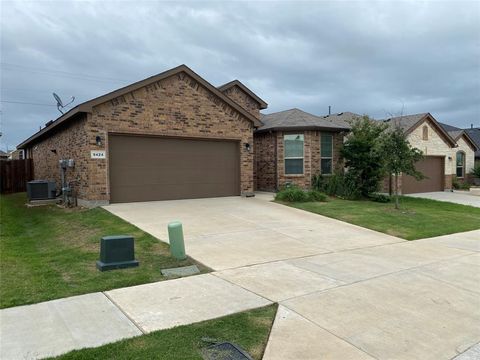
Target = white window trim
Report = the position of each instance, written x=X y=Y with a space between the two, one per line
x=285 y=158
x=326 y=157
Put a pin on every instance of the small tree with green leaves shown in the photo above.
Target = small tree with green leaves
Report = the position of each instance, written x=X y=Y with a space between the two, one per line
x=363 y=155
x=400 y=157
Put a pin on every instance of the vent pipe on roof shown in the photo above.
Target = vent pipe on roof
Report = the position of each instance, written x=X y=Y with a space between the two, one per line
x=329 y=110
x=471 y=126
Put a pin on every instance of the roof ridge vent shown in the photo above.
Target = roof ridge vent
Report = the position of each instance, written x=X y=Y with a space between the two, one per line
x=340 y=114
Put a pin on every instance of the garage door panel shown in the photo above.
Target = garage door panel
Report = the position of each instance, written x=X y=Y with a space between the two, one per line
x=432 y=167
x=155 y=168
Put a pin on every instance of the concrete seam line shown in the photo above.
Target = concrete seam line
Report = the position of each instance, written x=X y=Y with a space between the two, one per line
x=321 y=327
x=463 y=352
x=474 y=292
x=124 y=313
x=244 y=288
x=308 y=256
x=388 y=274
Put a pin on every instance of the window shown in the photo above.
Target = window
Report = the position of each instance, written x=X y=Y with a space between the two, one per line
x=293 y=145
x=425 y=132
x=460 y=164
x=326 y=153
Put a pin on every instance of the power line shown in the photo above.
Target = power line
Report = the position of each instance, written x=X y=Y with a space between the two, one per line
x=62 y=73
x=25 y=103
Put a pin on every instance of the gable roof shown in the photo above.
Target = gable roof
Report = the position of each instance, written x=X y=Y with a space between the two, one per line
x=222 y=88
x=409 y=123
x=87 y=106
x=474 y=135
x=296 y=119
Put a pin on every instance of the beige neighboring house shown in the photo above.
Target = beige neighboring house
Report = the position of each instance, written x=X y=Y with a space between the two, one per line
x=447 y=154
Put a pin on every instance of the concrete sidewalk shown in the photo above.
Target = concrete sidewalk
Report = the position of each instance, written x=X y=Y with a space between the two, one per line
x=457 y=197
x=415 y=300
x=345 y=292
x=55 y=327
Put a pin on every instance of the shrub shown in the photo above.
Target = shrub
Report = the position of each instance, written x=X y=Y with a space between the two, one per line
x=314 y=195
x=380 y=198
x=339 y=184
x=320 y=182
x=459 y=185
x=293 y=193
x=476 y=171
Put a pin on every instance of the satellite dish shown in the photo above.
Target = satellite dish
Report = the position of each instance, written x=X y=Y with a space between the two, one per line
x=59 y=101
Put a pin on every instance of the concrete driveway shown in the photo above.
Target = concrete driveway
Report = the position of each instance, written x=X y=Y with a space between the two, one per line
x=458 y=197
x=231 y=232
x=345 y=292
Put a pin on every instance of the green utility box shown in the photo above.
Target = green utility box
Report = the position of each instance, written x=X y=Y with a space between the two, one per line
x=175 y=238
x=116 y=252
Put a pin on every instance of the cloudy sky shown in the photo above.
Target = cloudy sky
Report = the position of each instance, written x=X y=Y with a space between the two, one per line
x=375 y=58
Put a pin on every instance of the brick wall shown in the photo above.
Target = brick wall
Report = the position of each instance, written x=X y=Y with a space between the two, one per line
x=69 y=143
x=265 y=153
x=176 y=106
x=244 y=100
x=265 y=144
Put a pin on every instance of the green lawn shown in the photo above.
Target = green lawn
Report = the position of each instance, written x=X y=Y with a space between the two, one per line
x=249 y=329
x=48 y=252
x=417 y=218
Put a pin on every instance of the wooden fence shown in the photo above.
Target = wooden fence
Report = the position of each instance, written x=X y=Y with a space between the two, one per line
x=14 y=175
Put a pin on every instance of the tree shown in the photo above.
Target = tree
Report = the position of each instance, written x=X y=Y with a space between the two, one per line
x=363 y=156
x=400 y=157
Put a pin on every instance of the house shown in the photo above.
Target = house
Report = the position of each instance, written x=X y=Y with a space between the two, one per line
x=448 y=152
x=16 y=155
x=473 y=133
x=292 y=146
x=170 y=136
x=3 y=155
x=176 y=136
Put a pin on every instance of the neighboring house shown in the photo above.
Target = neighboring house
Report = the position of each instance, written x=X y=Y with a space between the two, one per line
x=170 y=136
x=474 y=133
x=3 y=155
x=292 y=146
x=448 y=152
x=16 y=155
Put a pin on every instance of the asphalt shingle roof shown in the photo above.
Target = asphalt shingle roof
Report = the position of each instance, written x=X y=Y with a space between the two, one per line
x=342 y=119
x=474 y=134
x=297 y=119
x=405 y=122
x=449 y=128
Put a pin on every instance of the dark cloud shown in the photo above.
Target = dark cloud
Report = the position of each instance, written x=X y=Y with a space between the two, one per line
x=367 y=57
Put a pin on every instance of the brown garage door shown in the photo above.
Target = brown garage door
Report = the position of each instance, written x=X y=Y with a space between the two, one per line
x=433 y=168
x=156 y=168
